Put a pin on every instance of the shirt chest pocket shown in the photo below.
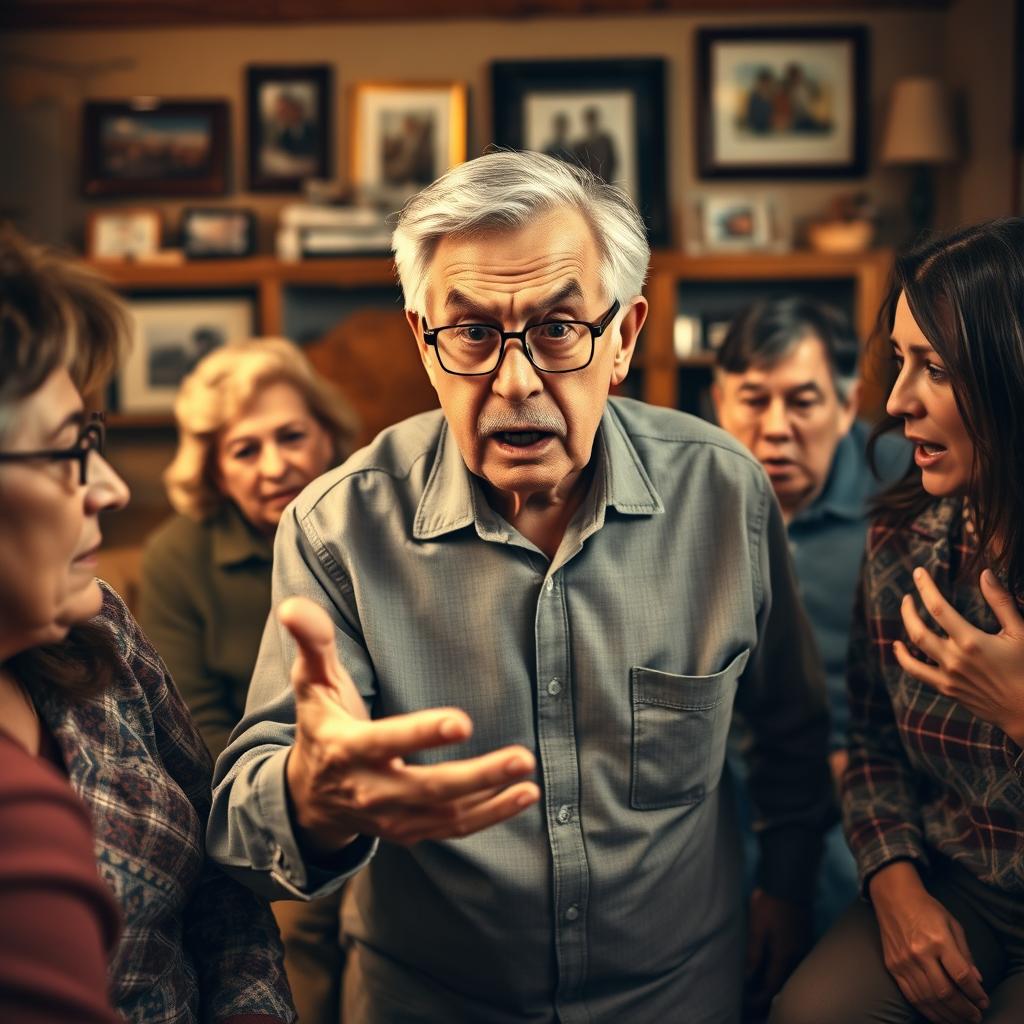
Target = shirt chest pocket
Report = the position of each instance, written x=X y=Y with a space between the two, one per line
x=680 y=727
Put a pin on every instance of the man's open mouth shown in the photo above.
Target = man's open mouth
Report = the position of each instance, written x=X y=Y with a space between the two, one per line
x=520 y=438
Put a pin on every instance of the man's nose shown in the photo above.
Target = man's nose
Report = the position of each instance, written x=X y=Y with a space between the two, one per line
x=516 y=378
x=775 y=422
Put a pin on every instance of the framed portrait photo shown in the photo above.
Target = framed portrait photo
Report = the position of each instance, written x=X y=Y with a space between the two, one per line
x=289 y=120
x=123 y=234
x=782 y=103
x=608 y=115
x=404 y=135
x=215 y=232
x=151 y=147
x=170 y=336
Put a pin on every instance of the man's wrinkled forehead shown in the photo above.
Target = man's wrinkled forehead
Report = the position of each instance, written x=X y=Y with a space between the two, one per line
x=556 y=254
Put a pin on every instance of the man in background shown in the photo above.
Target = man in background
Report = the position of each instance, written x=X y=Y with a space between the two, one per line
x=786 y=385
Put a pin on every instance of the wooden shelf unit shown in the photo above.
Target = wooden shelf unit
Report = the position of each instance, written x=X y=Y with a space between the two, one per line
x=868 y=272
x=268 y=278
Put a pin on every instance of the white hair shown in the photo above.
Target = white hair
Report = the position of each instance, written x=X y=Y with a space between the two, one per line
x=506 y=190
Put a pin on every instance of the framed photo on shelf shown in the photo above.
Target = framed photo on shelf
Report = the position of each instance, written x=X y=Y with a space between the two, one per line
x=404 y=135
x=151 y=147
x=608 y=115
x=723 y=222
x=289 y=118
x=215 y=232
x=782 y=102
x=123 y=234
x=171 y=336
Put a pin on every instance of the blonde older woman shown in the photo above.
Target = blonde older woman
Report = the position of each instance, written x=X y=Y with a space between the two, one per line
x=91 y=721
x=256 y=424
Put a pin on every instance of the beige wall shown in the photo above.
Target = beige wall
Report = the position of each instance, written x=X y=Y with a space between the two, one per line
x=52 y=72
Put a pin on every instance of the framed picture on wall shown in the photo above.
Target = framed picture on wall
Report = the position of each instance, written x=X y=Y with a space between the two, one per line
x=404 y=135
x=123 y=234
x=151 y=147
x=608 y=115
x=171 y=334
x=289 y=120
x=782 y=103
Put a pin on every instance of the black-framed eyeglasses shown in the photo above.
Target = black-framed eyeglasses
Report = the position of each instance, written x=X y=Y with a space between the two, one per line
x=91 y=438
x=552 y=346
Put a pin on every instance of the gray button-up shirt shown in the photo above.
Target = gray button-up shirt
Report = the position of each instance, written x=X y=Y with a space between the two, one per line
x=618 y=896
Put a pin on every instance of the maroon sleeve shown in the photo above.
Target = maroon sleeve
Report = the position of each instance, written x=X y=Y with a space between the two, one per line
x=57 y=918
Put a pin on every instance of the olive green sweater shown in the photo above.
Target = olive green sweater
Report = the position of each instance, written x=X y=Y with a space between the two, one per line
x=204 y=601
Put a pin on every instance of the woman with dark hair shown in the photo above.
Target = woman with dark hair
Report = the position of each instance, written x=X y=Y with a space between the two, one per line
x=86 y=701
x=933 y=798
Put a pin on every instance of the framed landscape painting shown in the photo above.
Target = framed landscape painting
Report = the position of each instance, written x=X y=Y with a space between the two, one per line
x=606 y=115
x=782 y=103
x=151 y=147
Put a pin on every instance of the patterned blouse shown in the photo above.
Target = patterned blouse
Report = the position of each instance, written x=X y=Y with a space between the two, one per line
x=196 y=946
x=925 y=774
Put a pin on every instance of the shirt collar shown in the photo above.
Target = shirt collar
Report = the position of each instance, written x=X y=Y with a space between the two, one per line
x=844 y=493
x=235 y=542
x=453 y=498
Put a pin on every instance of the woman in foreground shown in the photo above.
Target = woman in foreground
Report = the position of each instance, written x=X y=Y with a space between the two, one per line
x=84 y=693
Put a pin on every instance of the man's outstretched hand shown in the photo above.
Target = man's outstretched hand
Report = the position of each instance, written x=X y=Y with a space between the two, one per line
x=347 y=775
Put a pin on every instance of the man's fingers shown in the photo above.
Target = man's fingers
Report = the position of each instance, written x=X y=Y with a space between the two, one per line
x=402 y=735
x=477 y=817
x=316 y=663
x=1003 y=606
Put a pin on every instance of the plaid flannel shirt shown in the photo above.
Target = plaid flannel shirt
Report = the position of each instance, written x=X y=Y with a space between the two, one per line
x=196 y=945
x=925 y=774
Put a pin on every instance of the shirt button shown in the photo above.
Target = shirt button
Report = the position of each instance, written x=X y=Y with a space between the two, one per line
x=555 y=687
x=572 y=913
x=550 y=584
x=564 y=814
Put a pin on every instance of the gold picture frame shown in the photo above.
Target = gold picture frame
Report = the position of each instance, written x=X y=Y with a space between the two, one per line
x=404 y=135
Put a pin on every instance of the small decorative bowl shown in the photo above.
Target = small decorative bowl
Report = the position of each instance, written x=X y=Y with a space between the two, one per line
x=840 y=236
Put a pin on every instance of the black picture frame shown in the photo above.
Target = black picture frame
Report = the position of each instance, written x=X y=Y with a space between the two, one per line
x=628 y=94
x=823 y=136
x=295 y=102
x=154 y=147
x=218 y=232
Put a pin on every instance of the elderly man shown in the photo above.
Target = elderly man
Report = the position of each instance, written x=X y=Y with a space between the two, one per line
x=573 y=590
x=786 y=385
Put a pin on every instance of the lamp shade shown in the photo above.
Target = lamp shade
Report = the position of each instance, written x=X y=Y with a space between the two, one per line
x=920 y=127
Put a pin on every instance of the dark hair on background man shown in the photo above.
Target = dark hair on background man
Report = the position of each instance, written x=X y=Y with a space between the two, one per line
x=966 y=293
x=766 y=332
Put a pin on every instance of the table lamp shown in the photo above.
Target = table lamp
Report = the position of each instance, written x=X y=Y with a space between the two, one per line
x=919 y=132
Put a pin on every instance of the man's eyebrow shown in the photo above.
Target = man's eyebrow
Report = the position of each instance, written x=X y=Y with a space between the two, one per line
x=458 y=303
x=808 y=385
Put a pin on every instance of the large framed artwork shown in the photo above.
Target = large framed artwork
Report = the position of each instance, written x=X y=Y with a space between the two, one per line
x=782 y=102
x=608 y=115
x=171 y=335
x=150 y=147
x=289 y=120
x=404 y=135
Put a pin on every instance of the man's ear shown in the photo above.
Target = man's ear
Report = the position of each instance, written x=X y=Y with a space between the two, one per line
x=629 y=330
x=427 y=356
x=716 y=398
